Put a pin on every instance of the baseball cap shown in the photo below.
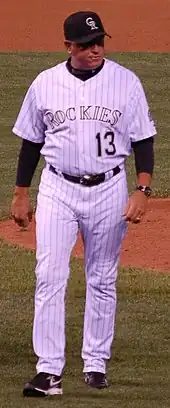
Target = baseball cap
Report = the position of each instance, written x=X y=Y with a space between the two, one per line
x=83 y=26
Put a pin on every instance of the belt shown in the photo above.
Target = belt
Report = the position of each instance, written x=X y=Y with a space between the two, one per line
x=88 y=180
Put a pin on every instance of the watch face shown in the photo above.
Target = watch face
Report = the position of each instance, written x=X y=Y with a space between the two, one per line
x=147 y=191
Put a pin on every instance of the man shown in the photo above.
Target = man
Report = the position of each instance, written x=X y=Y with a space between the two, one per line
x=84 y=116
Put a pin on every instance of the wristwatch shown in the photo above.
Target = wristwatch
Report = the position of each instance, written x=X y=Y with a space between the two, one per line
x=145 y=189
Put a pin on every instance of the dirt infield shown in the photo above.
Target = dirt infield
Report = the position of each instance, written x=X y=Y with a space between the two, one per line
x=135 y=25
x=37 y=24
x=146 y=245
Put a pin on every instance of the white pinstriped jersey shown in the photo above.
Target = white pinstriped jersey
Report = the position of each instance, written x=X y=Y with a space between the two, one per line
x=87 y=126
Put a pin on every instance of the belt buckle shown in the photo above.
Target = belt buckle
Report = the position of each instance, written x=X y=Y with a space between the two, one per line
x=85 y=179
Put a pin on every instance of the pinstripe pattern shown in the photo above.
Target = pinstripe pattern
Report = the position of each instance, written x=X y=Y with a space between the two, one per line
x=72 y=112
x=56 y=231
x=103 y=229
x=73 y=118
x=62 y=208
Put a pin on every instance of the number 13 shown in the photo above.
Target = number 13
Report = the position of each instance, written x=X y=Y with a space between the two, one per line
x=111 y=150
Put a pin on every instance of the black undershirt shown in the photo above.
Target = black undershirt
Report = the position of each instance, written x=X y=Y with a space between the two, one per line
x=81 y=74
x=30 y=152
x=28 y=159
x=144 y=155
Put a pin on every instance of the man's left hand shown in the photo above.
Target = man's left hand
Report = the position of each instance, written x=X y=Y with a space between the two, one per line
x=136 y=207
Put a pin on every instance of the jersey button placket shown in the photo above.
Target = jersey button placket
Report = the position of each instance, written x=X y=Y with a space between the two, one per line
x=80 y=100
x=82 y=93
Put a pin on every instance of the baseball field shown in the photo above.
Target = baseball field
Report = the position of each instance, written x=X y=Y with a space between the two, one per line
x=139 y=372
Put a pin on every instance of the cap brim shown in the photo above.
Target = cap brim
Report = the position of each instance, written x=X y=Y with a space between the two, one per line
x=91 y=37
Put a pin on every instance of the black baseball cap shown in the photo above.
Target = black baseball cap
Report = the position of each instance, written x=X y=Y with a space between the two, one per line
x=83 y=26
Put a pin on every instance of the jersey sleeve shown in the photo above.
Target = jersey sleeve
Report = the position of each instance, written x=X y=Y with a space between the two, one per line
x=140 y=122
x=29 y=124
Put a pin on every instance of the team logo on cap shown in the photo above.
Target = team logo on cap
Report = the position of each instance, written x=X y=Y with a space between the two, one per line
x=90 y=22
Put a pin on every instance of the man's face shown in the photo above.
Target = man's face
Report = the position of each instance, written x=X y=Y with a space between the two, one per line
x=87 y=56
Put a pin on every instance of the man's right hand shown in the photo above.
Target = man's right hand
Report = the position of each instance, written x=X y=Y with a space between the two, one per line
x=21 y=209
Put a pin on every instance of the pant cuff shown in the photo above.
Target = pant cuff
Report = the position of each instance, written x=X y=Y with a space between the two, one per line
x=96 y=365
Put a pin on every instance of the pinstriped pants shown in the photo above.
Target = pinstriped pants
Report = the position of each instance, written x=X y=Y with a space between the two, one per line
x=64 y=208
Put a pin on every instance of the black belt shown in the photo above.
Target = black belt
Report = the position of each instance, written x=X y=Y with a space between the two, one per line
x=88 y=180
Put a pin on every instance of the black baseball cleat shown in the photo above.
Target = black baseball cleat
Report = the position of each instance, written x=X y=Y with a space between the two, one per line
x=42 y=385
x=96 y=380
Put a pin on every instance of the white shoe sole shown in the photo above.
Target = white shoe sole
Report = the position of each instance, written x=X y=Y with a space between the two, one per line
x=51 y=391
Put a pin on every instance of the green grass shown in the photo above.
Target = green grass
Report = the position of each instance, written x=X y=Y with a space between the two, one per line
x=17 y=71
x=139 y=371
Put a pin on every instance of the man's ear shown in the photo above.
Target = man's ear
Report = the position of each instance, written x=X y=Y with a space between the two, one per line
x=68 y=46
